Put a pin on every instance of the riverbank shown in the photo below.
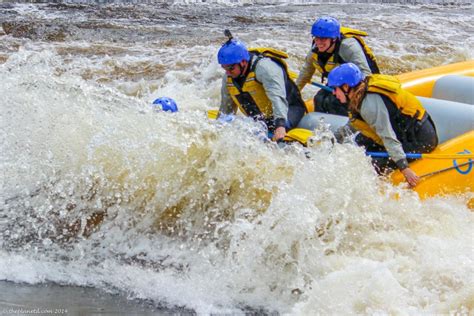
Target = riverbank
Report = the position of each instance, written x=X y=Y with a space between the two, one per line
x=56 y=299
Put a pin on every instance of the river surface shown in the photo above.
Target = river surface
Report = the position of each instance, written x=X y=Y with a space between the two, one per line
x=101 y=192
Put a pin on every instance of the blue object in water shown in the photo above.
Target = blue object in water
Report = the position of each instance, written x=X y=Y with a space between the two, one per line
x=226 y=118
x=166 y=104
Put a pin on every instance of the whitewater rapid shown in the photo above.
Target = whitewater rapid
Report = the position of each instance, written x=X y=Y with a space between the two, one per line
x=98 y=190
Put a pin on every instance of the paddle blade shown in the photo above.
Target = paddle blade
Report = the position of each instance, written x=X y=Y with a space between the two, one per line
x=300 y=135
x=212 y=114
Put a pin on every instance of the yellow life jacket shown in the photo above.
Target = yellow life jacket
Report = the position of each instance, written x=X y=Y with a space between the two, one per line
x=335 y=59
x=250 y=96
x=404 y=108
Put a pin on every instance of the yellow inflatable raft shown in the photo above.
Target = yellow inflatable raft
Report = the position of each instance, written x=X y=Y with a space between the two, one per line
x=446 y=85
x=447 y=93
x=444 y=176
x=422 y=82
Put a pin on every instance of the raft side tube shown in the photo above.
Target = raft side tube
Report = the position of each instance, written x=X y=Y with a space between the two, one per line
x=313 y=120
x=421 y=82
x=451 y=119
x=455 y=88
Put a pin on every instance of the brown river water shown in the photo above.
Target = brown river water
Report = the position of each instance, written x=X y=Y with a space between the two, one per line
x=108 y=207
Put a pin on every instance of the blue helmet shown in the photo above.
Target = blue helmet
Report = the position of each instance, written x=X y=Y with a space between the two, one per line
x=232 y=52
x=347 y=73
x=327 y=27
x=166 y=104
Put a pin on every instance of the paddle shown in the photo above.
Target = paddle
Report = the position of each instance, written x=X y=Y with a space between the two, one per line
x=293 y=76
x=429 y=174
x=426 y=156
x=212 y=114
x=300 y=135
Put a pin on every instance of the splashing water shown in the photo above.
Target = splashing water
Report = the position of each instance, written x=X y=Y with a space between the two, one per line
x=99 y=190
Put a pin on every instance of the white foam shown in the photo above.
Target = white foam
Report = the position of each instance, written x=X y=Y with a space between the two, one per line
x=253 y=225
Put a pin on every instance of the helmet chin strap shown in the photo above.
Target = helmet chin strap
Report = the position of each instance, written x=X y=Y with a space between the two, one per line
x=243 y=69
x=333 y=42
x=241 y=74
x=346 y=94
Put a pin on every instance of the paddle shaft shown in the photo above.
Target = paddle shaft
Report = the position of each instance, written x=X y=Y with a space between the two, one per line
x=419 y=156
x=429 y=174
x=293 y=75
x=319 y=85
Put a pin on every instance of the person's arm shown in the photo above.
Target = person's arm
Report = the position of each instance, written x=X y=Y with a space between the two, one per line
x=374 y=113
x=271 y=76
x=306 y=72
x=227 y=104
x=351 y=52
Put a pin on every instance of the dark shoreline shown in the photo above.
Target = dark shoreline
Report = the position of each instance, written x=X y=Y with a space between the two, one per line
x=49 y=298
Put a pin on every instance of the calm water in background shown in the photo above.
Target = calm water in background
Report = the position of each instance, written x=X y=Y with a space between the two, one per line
x=101 y=194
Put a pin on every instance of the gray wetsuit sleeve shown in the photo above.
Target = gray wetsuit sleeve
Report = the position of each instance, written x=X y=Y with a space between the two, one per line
x=227 y=104
x=306 y=72
x=374 y=113
x=271 y=76
x=351 y=52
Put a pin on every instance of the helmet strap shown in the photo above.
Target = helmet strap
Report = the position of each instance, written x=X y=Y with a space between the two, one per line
x=333 y=45
x=346 y=93
x=244 y=70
